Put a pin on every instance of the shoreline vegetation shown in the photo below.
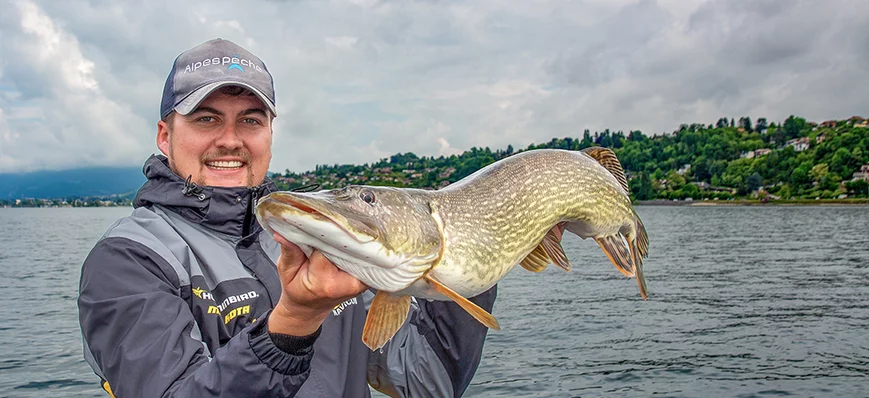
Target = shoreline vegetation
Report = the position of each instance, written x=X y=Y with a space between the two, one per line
x=728 y=163
x=756 y=202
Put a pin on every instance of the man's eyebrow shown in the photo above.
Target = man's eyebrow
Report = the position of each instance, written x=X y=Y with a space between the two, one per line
x=252 y=111
x=205 y=109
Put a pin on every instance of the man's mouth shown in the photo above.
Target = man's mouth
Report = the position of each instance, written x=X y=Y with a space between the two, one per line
x=225 y=164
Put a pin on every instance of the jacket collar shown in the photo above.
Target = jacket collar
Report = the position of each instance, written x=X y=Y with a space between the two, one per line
x=225 y=210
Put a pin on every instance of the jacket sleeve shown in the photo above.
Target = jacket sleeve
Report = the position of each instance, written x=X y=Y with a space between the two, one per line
x=435 y=354
x=142 y=338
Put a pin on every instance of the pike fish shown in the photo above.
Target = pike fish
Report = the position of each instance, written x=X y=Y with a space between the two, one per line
x=459 y=241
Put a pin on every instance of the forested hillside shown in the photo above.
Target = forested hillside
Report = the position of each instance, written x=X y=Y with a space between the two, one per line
x=728 y=159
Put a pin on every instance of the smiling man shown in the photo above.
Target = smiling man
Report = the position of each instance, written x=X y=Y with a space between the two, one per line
x=190 y=297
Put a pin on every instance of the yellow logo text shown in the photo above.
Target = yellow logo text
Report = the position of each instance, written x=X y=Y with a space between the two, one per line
x=235 y=313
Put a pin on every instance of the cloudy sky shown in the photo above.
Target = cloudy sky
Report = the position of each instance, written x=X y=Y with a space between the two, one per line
x=359 y=80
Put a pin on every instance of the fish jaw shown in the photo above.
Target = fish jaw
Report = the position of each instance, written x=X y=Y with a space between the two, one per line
x=360 y=255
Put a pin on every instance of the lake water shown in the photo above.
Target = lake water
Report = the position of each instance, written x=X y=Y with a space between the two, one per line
x=744 y=302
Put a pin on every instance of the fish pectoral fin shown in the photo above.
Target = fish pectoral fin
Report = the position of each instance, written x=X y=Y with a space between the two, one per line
x=478 y=313
x=537 y=260
x=617 y=251
x=385 y=316
x=552 y=246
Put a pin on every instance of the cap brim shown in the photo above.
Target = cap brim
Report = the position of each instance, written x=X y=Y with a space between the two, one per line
x=192 y=101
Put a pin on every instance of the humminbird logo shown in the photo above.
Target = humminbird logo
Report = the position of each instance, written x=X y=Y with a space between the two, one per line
x=218 y=309
x=233 y=62
x=237 y=299
x=202 y=293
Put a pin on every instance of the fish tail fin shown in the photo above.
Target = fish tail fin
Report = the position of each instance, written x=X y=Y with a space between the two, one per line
x=618 y=252
x=607 y=158
x=642 y=237
x=639 y=250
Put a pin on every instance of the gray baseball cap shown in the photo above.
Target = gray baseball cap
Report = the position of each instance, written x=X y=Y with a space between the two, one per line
x=209 y=66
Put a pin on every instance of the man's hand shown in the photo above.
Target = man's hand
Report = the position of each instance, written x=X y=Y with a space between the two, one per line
x=311 y=288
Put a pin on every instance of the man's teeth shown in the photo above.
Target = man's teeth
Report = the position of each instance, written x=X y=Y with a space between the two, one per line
x=225 y=164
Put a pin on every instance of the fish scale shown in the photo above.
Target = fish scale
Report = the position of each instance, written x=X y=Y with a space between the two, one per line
x=459 y=241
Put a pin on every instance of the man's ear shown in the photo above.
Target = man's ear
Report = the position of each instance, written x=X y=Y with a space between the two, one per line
x=163 y=137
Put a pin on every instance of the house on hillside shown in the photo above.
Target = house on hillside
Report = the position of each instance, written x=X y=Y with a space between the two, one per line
x=863 y=174
x=799 y=144
x=684 y=169
x=864 y=123
x=829 y=124
x=821 y=137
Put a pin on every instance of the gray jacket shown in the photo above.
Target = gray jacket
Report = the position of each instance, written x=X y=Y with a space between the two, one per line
x=174 y=301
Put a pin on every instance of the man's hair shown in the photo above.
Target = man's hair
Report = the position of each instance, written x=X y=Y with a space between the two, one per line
x=232 y=91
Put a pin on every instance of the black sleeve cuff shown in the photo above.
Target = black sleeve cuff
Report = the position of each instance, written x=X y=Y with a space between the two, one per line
x=285 y=354
x=295 y=345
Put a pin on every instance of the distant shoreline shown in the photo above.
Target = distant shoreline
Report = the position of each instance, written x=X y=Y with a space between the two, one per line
x=756 y=202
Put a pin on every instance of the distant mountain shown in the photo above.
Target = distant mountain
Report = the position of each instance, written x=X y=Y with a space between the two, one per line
x=92 y=181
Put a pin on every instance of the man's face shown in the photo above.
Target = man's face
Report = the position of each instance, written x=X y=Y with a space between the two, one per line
x=225 y=142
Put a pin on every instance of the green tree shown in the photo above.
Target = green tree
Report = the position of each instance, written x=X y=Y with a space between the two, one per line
x=745 y=123
x=761 y=125
x=819 y=172
x=754 y=182
x=642 y=187
x=793 y=126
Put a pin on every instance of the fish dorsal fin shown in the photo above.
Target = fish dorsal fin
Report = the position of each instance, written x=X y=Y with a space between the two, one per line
x=537 y=260
x=478 y=313
x=607 y=158
x=618 y=253
x=552 y=245
x=385 y=316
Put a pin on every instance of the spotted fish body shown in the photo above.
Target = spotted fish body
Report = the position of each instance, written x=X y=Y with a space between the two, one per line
x=459 y=241
x=496 y=217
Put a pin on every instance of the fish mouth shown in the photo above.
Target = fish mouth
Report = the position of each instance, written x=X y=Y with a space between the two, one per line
x=292 y=206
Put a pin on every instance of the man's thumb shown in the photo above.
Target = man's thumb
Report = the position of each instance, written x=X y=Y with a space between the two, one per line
x=292 y=256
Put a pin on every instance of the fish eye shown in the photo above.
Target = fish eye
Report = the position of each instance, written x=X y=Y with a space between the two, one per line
x=367 y=197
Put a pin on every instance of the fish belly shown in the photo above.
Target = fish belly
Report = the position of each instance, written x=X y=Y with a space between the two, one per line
x=467 y=284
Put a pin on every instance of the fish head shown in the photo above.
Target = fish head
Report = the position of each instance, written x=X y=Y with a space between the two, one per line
x=360 y=227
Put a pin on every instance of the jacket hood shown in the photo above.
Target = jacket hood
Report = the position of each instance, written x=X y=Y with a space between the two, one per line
x=225 y=210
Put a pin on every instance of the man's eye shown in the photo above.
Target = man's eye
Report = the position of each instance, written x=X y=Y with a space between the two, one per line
x=250 y=121
x=206 y=119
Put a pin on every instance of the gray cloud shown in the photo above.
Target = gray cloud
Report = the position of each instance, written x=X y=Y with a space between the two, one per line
x=360 y=80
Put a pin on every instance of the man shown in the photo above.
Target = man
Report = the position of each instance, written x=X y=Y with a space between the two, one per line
x=189 y=297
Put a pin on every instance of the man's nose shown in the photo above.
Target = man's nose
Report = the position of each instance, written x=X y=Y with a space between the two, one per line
x=229 y=137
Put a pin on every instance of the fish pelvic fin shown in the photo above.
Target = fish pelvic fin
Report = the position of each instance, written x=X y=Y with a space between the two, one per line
x=548 y=251
x=607 y=158
x=536 y=261
x=385 y=316
x=478 y=313
x=551 y=244
x=618 y=253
